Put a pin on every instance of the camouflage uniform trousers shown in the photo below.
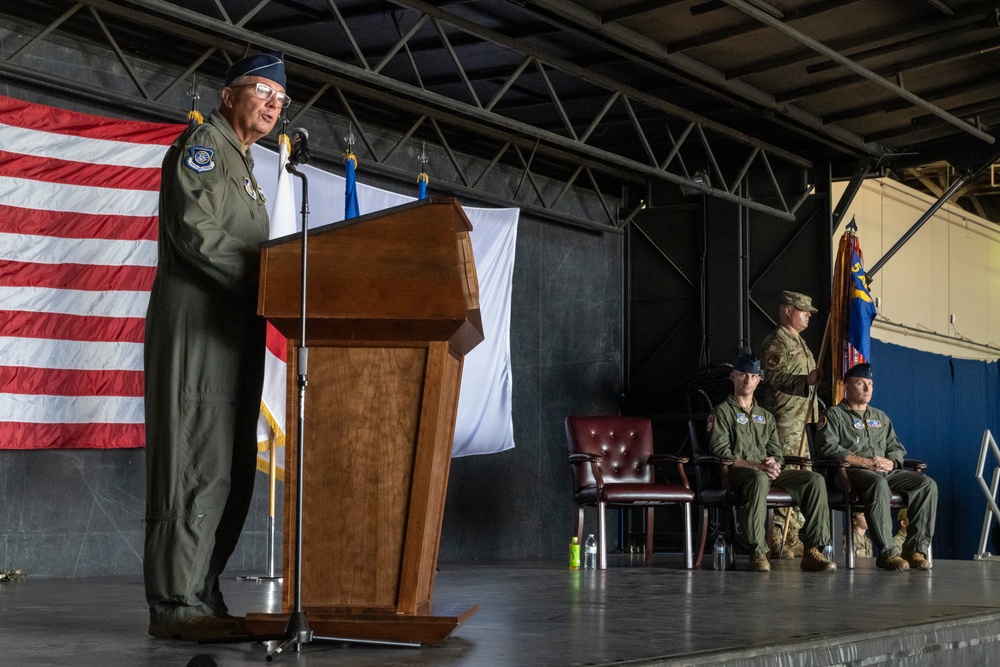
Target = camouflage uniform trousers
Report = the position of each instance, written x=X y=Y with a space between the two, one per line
x=790 y=436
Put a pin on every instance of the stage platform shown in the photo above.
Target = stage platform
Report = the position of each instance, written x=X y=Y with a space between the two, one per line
x=543 y=614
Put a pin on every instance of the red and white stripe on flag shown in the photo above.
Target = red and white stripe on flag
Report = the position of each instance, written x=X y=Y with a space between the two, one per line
x=78 y=227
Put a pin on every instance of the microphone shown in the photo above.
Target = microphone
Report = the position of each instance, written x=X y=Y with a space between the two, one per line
x=300 y=146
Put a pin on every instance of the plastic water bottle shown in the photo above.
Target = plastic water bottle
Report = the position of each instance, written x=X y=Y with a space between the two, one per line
x=590 y=553
x=719 y=560
x=574 y=554
x=828 y=552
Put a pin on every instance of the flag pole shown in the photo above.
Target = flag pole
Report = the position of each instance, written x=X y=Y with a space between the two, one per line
x=272 y=472
x=812 y=404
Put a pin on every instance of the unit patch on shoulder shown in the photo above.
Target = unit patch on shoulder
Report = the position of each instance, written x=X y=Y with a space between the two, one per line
x=709 y=423
x=821 y=424
x=200 y=159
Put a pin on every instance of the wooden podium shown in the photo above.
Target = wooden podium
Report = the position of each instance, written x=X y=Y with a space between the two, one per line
x=392 y=309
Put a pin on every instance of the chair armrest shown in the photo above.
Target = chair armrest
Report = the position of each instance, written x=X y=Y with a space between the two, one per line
x=668 y=458
x=798 y=460
x=672 y=458
x=703 y=459
x=830 y=464
x=914 y=464
x=593 y=460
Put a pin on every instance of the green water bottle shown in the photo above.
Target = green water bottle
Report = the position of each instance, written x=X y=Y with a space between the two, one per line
x=574 y=554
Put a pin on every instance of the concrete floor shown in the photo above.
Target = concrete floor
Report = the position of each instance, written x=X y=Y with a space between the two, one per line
x=543 y=614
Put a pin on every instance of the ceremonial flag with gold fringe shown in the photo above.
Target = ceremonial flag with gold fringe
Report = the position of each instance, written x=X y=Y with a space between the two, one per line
x=852 y=310
x=271 y=425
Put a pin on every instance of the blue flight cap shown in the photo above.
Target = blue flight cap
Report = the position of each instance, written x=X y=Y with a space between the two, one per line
x=747 y=363
x=270 y=65
x=859 y=371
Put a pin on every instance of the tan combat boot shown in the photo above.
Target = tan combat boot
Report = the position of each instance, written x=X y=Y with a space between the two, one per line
x=777 y=534
x=895 y=563
x=917 y=560
x=813 y=560
x=759 y=563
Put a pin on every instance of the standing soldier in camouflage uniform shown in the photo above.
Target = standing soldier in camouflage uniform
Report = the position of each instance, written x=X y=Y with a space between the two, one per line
x=789 y=373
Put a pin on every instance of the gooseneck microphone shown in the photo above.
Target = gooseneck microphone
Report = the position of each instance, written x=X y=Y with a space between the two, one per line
x=300 y=146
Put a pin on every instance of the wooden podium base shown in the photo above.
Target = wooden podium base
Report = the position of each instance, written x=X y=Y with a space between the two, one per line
x=401 y=628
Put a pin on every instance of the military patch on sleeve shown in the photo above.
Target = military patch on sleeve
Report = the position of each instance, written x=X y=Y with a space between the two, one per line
x=709 y=423
x=772 y=360
x=821 y=424
x=200 y=159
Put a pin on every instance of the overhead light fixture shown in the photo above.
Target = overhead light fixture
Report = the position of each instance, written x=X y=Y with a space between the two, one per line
x=701 y=178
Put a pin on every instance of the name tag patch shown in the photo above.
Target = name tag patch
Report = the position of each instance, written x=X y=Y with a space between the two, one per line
x=874 y=423
x=759 y=419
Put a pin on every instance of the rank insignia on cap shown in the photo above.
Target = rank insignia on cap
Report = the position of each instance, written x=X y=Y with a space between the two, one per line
x=874 y=423
x=260 y=193
x=858 y=424
x=200 y=159
x=741 y=418
x=248 y=185
x=759 y=419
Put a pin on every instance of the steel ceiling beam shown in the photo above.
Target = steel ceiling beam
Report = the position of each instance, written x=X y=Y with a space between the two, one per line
x=641 y=49
x=805 y=40
x=373 y=85
x=231 y=35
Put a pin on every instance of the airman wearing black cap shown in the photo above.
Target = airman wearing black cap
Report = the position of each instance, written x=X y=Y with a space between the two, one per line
x=789 y=373
x=204 y=354
x=742 y=430
x=855 y=432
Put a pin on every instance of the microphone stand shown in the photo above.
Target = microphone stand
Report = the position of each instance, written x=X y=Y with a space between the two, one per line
x=297 y=631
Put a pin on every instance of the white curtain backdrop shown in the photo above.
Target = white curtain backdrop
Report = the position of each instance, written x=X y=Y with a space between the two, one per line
x=484 y=424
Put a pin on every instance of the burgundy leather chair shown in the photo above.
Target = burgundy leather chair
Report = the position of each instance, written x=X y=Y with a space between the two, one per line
x=613 y=466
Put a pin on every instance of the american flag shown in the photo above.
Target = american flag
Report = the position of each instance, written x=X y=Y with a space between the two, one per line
x=78 y=227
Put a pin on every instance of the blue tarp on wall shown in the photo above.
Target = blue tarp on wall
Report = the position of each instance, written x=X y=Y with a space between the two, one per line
x=940 y=407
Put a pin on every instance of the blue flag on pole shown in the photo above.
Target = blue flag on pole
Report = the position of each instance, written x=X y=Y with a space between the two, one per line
x=862 y=309
x=351 y=208
x=422 y=185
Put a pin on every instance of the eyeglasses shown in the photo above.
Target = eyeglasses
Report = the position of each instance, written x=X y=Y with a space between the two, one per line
x=266 y=92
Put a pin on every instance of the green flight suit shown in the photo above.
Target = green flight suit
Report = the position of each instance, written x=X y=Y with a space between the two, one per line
x=204 y=369
x=752 y=435
x=842 y=432
x=786 y=361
